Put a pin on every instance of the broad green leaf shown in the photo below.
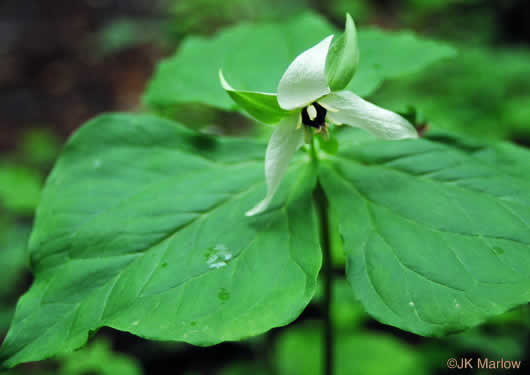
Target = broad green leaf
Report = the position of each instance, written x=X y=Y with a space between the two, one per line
x=263 y=107
x=343 y=57
x=387 y=55
x=253 y=57
x=299 y=351
x=506 y=156
x=437 y=238
x=142 y=228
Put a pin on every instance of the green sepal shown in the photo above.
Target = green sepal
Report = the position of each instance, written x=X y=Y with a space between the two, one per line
x=343 y=57
x=261 y=106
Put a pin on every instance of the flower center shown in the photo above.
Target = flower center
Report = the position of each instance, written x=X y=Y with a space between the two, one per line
x=314 y=115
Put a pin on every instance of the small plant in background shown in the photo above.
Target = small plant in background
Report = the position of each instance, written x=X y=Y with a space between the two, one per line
x=141 y=226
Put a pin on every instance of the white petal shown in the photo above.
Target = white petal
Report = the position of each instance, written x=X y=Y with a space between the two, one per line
x=305 y=80
x=355 y=111
x=284 y=142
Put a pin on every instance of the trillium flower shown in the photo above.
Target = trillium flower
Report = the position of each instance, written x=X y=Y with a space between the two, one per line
x=309 y=95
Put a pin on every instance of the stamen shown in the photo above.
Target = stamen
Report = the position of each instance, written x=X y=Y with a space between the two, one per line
x=314 y=115
x=312 y=112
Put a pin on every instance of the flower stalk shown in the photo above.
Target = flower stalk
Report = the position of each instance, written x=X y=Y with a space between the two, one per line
x=322 y=207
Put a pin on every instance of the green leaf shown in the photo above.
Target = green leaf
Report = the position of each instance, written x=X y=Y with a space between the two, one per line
x=343 y=57
x=142 y=228
x=388 y=55
x=253 y=57
x=436 y=238
x=299 y=351
x=263 y=107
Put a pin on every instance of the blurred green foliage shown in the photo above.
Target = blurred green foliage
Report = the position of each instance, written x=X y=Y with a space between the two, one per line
x=19 y=189
x=98 y=358
x=481 y=93
x=21 y=177
x=13 y=262
x=22 y=171
x=39 y=148
x=298 y=351
x=125 y=33
x=206 y=16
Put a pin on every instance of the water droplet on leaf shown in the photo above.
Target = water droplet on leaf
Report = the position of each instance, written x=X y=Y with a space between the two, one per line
x=218 y=265
x=223 y=295
x=218 y=256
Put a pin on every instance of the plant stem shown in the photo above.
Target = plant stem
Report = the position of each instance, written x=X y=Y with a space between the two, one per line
x=321 y=204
